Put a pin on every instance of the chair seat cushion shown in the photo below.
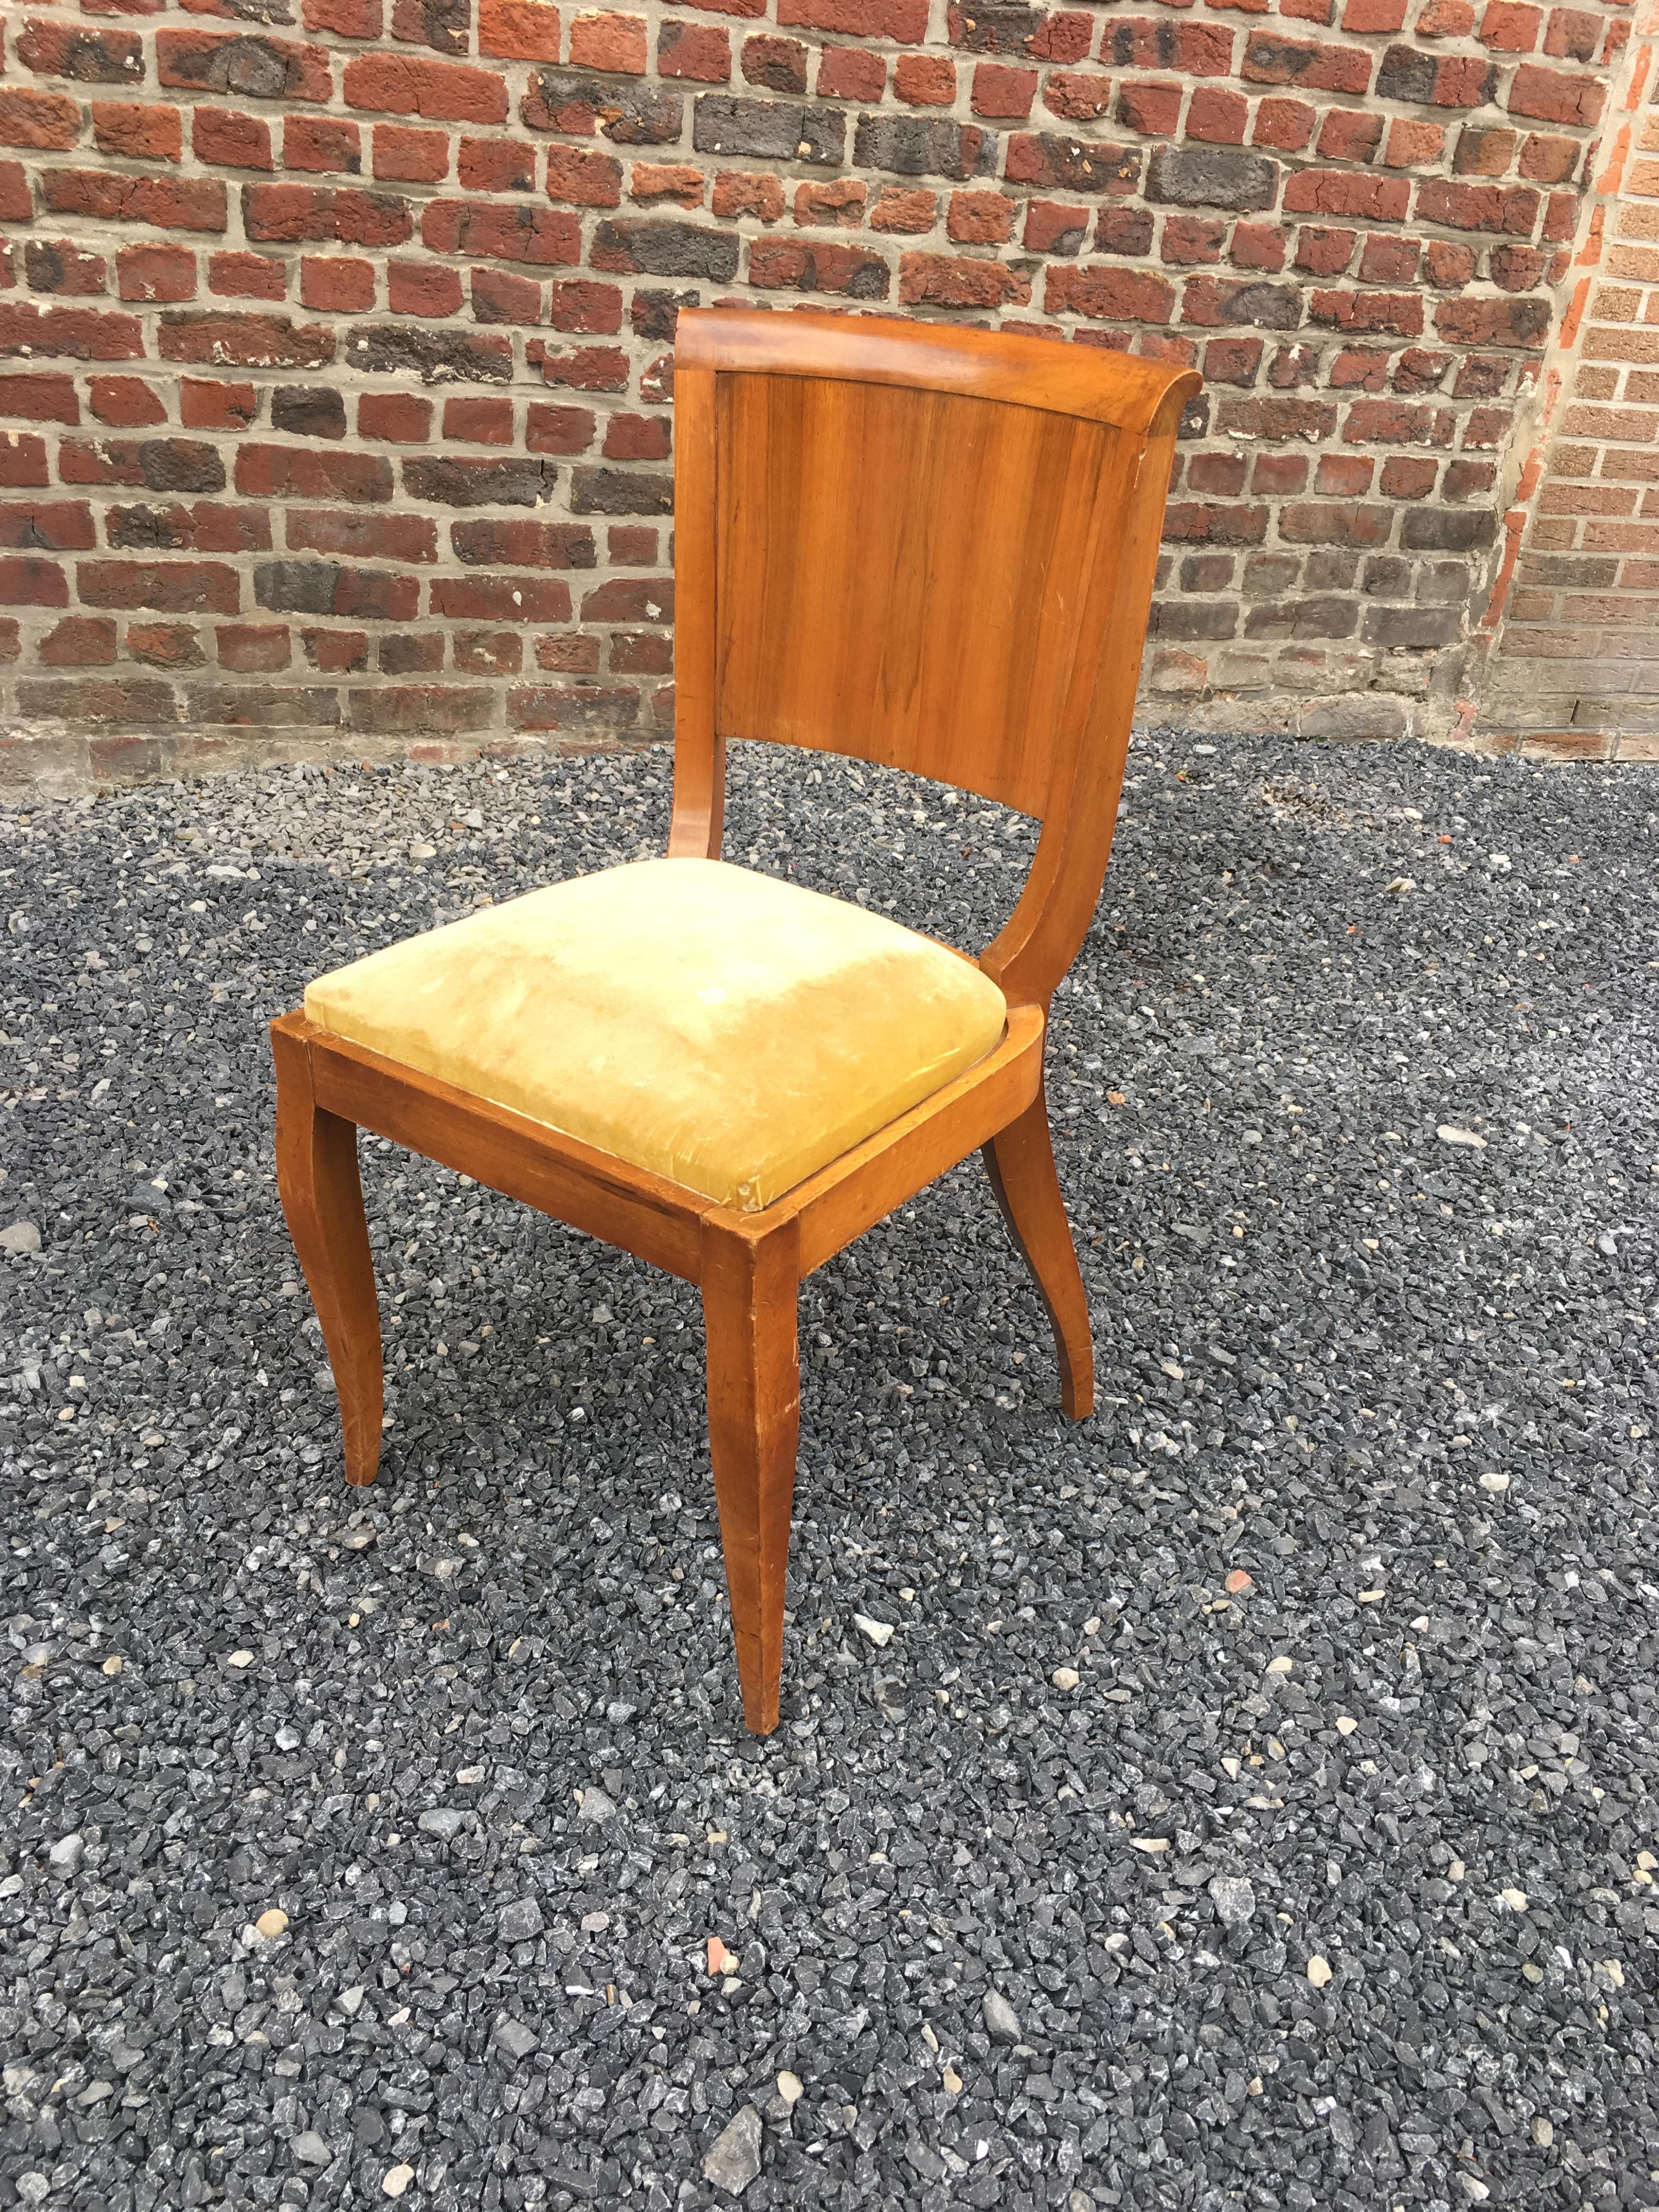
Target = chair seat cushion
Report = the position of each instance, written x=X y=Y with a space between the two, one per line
x=720 y=1028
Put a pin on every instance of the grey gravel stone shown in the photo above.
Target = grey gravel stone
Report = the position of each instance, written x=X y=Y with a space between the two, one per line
x=311 y=2149
x=66 y=1854
x=1454 y=1544
x=733 y=2160
x=517 y=2037
x=444 y=1821
x=1234 y=1899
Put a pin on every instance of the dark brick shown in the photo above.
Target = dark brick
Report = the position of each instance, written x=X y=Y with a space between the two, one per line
x=636 y=113
x=620 y=491
x=924 y=146
x=646 y=248
x=308 y=411
x=436 y=357
x=769 y=130
x=1447 y=529
x=518 y=481
x=1212 y=176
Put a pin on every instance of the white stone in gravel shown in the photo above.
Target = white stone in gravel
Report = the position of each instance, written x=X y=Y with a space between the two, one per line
x=444 y=1821
x=311 y=2149
x=1495 y=1482
x=791 y=2087
x=1233 y=1898
x=1345 y=1724
x=32 y=2188
x=271 y=1925
x=733 y=2160
x=1449 y=1133
x=1517 y=1899
x=1543 y=2132
x=357 y=1539
x=398 y=2178
x=67 y=1853
x=1282 y=1665
x=1474 y=2189
x=21 y=1236
x=1066 y=1678
x=1319 y=1970
x=595 y=1806
x=879 y=1632
x=240 y=1659
x=516 y=2036
x=1001 y=2020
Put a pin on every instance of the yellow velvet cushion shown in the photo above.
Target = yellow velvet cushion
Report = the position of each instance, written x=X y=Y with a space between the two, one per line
x=720 y=1028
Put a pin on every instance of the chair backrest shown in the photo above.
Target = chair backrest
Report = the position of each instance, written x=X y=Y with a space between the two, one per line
x=928 y=547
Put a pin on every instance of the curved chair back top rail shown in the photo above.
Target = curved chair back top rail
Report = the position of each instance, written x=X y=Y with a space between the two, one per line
x=929 y=547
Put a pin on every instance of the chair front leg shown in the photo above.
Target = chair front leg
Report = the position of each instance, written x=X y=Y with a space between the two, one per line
x=1020 y=1162
x=323 y=1200
x=750 y=1287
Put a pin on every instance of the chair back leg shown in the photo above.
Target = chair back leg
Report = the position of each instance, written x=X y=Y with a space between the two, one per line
x=323 y=1200
x=1020 y=1162
x=750 y=1289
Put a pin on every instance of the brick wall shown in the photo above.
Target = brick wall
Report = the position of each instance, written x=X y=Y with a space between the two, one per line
x=1574 y=670
x=337 y=405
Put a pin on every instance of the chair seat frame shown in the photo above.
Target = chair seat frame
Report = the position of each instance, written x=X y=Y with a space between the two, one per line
x=748 y=1267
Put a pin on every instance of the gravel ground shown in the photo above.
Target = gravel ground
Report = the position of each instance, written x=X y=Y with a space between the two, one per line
x=1253 y=1802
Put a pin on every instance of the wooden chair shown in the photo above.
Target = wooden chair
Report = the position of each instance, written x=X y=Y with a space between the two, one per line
x=912 y=544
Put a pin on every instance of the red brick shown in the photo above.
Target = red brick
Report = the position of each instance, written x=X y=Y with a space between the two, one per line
x=1077 y=95
x=423 y=288
x=442 y=92
x=611 y=42
x=1221 y=117
x=1335 y=191
x=125 y=402
x=1346 y=136
x=980 y=218
x=840 y=203
x=904 y=21
x=1363 y=17
x=737 y=192
x=479 y=422
x=582 y=180
x=253 y=648
x=43 y=119
x=1510 y=27
x=637 y=438
x=246 y=276
x=1189 y=238
x=500 y=297
x=27 y=581
x=682 y=183
x=22 y=461
x=551 y=429
x=342 y=286
x=399 y=417
x=46 y=397
x=170 y=587
x=137 y=133
x=232 y=141
x=61 y=527
x=1407 y=476
x=849 y=73
x=204 y=405
x=156 y=272
x=408 y=156
x=166 y=203
x=322 y=142
x=1110 y=294
x=1412 y=145
x=213 y=61
x=495 y=165
x=519 y=30
x=1554 y=96
x=1344 y=476
x=1154 y=110
x=79 y=333
x=999 y=91
x=701 y=51
x=924 y=79
x=78 y=641
x=907 y=211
